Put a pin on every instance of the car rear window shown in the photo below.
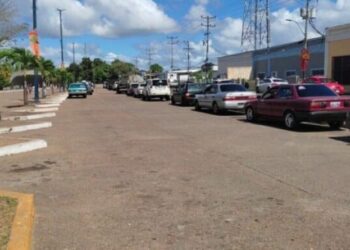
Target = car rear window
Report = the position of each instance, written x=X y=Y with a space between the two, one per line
x=314 y=90
x=77 y=85
x=278 y=80
x=232 y=88
x=159 y=82
x=195 y=87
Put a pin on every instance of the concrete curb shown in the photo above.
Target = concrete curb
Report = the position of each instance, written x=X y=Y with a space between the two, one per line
x=23 y=128
x=22 y=226
x=47 y=105
x=28 y=117
x=22 y=147
x=37 y=110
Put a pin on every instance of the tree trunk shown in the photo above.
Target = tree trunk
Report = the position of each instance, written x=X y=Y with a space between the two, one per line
x=25 y=89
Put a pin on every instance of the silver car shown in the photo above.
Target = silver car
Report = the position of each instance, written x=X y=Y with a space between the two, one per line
x=222 y=97
x=267 y=83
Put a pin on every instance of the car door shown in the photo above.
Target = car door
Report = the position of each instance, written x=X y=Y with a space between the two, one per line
x=266 y=103
x=203 y=97
x=211 y=95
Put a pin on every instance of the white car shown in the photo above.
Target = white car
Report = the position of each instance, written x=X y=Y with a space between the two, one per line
x=268 y=83
x=138 y=92
x=156 y=88
x=223 y=97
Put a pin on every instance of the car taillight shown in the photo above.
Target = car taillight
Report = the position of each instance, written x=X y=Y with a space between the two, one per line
x=318 y=104
x=187 y=94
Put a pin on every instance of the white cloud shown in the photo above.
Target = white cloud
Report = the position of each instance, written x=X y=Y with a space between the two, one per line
x=107 y=18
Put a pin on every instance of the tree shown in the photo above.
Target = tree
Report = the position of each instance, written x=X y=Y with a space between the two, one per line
x=21 y=59
x=5 y=75
x=120 y=69
x=156 y=68
x=74 y=69
x=86 y=71
x=100 y=70
x=8 y=27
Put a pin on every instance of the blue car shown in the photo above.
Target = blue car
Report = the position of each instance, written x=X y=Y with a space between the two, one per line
x=77 y=89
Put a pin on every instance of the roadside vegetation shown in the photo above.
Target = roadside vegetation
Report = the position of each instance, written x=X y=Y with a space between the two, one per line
x=7 y=212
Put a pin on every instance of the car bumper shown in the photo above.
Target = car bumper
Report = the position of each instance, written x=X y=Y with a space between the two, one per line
x=234 y=105
x=321 y=116
x=77 y=93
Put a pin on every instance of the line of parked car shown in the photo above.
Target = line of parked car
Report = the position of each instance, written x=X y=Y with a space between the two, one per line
x=315 y=100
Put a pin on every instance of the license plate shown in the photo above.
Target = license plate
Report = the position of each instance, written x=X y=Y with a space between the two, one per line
x=335 y=104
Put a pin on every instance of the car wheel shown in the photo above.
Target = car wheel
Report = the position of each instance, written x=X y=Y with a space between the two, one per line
x=69 y=96
x=167 y=98
x=250 y=114
x=84 y=96
x=215 y=108
x=183 y=102
x=143 y=98
x=336 y=124
x=257 y=89
x=197 y=106
x=173 y=101
x=290 y=121
x=148 y=98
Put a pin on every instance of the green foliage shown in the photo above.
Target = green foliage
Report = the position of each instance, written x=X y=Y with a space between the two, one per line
x=155 y=68
x=5 y=75
x=86 y=69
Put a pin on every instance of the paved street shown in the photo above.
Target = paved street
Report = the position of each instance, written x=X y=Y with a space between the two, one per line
x=120 y=173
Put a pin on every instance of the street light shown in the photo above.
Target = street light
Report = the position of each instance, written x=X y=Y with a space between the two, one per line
x=298 y=24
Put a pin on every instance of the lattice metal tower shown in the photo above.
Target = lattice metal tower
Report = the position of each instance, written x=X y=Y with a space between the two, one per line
x=256 y=25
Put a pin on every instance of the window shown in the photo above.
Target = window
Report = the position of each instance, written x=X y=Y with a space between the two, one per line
x=284 y=92
x=270 y=94
x=291 y=73
x=232 y=88
x=274 y=74
x=317 y=72
x=261 y=75
x=314 y=90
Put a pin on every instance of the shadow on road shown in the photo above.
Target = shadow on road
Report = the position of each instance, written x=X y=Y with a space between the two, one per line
x=303 y=127
x=345 y=139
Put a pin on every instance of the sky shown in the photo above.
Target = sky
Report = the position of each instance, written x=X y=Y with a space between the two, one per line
x=126 y=29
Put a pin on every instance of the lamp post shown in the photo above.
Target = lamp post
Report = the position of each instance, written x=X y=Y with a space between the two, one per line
x=36 y=80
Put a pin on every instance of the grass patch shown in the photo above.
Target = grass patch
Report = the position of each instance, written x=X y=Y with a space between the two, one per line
x=7 y=212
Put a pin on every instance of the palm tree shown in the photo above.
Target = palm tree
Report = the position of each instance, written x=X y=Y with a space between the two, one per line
x=46 y=68
x=24 y=60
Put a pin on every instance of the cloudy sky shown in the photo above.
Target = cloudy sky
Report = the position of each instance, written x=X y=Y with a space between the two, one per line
x=125 y=29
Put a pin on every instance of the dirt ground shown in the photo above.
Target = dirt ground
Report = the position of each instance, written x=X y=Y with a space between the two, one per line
x=120 y=173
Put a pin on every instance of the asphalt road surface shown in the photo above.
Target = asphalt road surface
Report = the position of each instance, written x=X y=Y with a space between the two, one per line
x=120 y=173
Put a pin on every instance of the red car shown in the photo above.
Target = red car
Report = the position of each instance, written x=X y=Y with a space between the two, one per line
x=298 y=103
x=333 y=85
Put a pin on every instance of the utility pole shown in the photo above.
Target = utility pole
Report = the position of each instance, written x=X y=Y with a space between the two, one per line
x=188 y=49
x=36 y=80
x=173 y=41
x=306 y=14
x=208 y=24
x=73 y=52
x=268 y=37
x=150 y=53
x=61 y=36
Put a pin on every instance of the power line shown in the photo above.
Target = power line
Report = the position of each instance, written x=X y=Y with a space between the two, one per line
x=188 y=50
x=61 y=36
x=208 y=24
x=172 y=41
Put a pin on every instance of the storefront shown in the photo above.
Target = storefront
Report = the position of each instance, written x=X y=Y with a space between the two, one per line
x=337 y=56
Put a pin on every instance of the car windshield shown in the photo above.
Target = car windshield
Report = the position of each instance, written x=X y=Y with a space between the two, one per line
x=159 y=83
x=143 y=85
x=232 y=88
x=195 y=87
x=134 y=85
x=314 y=90
x=77 y=85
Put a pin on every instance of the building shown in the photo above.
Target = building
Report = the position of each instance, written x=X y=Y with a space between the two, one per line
x=337 y=54
x=238 y=66
x=284 y=61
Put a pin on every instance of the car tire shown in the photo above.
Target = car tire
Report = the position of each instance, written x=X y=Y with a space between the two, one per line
x=215 y=108
x=257 y=89
x=167 y=98
x=183 y=102
x=336 y=124
x=197 y=106
x=290 y=120
x=69 y=96
x=250 y=114
x=84 y=96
